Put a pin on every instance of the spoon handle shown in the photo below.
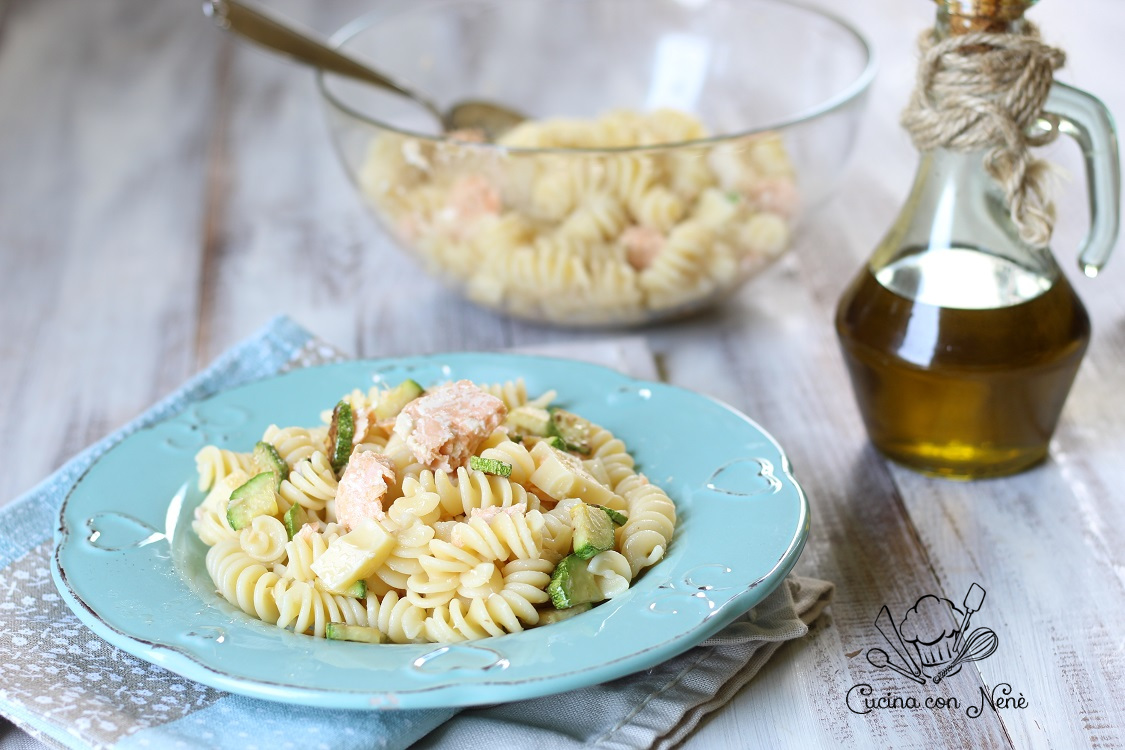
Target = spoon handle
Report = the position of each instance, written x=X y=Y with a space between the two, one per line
x=253 y=24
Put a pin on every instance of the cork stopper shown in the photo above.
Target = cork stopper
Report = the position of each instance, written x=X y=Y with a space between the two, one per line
x=996 y=16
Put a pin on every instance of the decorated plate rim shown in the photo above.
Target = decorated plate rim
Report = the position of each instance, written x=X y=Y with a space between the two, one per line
x=454 y=690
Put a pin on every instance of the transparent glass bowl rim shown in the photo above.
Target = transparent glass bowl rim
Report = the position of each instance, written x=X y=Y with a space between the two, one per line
x=837 y=101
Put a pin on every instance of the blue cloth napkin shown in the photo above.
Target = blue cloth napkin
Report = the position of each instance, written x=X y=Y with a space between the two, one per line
x=68 y=688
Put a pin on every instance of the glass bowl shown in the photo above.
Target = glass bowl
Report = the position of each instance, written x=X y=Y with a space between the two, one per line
x=672 y=147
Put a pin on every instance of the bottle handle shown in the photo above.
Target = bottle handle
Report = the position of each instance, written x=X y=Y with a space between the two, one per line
x=1085 y=119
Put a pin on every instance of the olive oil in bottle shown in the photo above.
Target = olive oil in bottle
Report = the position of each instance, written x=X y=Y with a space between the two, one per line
x=952 y=388
x=961 y=335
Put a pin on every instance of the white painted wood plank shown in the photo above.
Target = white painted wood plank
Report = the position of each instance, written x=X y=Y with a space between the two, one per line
x=102 y=134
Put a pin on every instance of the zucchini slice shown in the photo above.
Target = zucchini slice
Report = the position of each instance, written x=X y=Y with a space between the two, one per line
x=490 y=466
x=549 y=616
x=593 y=530
x=617 y=517
x=573 y=584
x=257 y=497
x=266 y=458
x=294 y=519
x=572 y=429
x=341 y=434
x=529 y=420
x=339 y=631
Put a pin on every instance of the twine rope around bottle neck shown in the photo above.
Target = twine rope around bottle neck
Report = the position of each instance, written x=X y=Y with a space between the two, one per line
x=986 y=90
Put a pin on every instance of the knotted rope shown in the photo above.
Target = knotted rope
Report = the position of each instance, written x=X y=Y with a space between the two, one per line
x=985 y=90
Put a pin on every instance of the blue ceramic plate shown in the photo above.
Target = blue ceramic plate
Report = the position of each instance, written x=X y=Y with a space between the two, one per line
x=130 y=566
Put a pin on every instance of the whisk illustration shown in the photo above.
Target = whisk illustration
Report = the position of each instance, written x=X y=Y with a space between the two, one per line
x=980 y=644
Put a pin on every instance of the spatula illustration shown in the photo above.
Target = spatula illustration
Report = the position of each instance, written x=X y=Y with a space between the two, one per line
x=973 y=600
x=886 y=626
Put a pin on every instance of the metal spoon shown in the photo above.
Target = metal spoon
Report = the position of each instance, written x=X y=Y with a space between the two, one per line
x=271 y=33
x=878 y=659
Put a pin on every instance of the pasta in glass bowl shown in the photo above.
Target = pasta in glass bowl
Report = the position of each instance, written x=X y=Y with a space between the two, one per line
x=671 y=151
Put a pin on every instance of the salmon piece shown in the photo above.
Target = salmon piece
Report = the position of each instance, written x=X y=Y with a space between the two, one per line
x=473 y=197
x=446 y=425
x=308 y=530
x=642 y=245
x=489 y=513
x=407 y=229
x=779 y=196
x=362 y=487
x=364 y=420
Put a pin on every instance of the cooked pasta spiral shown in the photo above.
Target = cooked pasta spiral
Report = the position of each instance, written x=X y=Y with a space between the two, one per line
x=396 y=617
x=612 y=572
x=433 y=555
x=311 y=484
x=303 y=550
x=652 y=520
x=242 y=580
x=515 y=454
x=475 y=489
x=264 y=539
x=307 y=607
x=412 y=546
x=501 y=536
x=552 y=235
x=415 y=503
x=512 y=392
x=210 y=521
x=294 y=444
x=213 y=463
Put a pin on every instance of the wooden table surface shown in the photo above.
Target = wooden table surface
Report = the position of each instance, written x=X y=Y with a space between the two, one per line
x=164 y=190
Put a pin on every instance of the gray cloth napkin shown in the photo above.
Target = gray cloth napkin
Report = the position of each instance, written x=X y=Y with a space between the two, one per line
x=657 y=708
x=68 y=688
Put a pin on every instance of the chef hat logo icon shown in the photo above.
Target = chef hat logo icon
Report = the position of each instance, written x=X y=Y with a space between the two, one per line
x=932 y=641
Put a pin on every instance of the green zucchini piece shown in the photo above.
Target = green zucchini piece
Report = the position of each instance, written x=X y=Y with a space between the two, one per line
x=339 y=631
x=593 y=530
x=392 y=402
x=341 y=434
x=294 y=519
x=617 y=517
x=549 y=616
x=357 y=590
x=573 y=584
x=266 y=458
x=529 y=420
x=572 y=429
x=257 y=497
x=490 y=466
x=554 y=441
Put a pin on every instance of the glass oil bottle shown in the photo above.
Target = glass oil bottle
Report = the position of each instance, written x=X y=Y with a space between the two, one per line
x=961 y=340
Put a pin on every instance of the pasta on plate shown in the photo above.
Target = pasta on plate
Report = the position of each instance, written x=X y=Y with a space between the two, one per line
x=588 y=235
x=438 y=515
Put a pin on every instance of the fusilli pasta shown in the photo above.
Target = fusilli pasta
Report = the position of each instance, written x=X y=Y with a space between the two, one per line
x=589 y=237
x=429 y=554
